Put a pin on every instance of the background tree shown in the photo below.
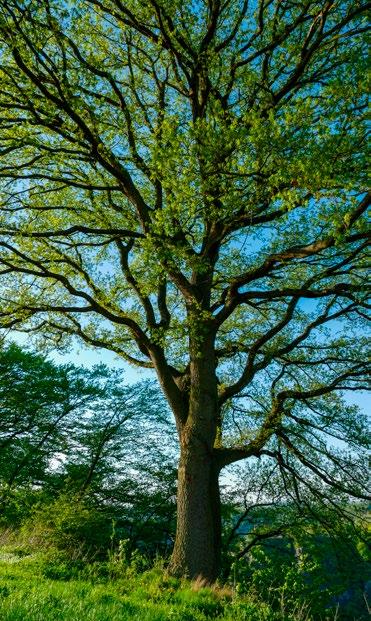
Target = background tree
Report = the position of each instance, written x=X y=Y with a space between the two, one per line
x=39 y=401
x=183 y=184
x=71 y=435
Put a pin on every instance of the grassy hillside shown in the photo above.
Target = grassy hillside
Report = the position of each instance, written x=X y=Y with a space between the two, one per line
x=33 y=589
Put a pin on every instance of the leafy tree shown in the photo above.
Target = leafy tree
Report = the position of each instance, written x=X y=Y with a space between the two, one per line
x=70 y=434
x=38 y=401
x=115 y=460
x=183 y=183
x=105 y=445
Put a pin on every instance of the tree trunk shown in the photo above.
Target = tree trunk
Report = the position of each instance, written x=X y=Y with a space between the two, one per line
x=197 y=546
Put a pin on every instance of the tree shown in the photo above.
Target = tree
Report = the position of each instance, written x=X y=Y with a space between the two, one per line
x=183 y=183
x=70 y=434
x=40 y=403
x=84 y=419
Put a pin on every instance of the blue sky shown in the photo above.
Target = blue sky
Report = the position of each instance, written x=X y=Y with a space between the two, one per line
x=87 y=357
x=81 y=355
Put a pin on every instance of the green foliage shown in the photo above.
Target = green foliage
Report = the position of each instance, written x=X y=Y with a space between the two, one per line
x=57 y=560
x=301 y=578
x=184 y=184
x=29 y=593
x=87 y=434
x=71 y=525
x=18 y=506
x=45 y=411
x=312 y=572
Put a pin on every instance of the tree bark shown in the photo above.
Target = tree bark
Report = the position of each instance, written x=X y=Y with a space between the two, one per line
x=197 y=548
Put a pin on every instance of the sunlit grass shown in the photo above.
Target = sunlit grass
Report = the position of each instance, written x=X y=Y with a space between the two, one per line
x=27 y=595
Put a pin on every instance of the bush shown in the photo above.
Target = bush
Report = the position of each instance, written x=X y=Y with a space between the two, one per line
x=58 y=566
x=70 y=525
x=17 y=505
x=320 y=581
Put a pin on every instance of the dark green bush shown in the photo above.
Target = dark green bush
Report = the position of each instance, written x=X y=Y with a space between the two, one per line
x=69 y=524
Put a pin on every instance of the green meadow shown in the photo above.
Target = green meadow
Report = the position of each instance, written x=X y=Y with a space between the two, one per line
x=26 y=593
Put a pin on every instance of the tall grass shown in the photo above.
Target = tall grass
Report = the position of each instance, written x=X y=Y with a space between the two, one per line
x=29 y=593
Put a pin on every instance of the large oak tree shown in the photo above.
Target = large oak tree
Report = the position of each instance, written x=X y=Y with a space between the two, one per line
x=183 y=183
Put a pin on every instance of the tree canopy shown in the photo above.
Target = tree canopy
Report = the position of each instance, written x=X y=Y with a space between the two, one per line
x=184 y=184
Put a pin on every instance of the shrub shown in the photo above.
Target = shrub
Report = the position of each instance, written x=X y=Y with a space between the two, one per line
x=70 y=525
